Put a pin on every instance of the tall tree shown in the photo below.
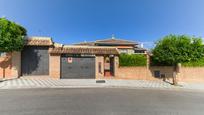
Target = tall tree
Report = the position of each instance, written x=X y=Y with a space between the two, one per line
x=174 y=49
x=11 y=36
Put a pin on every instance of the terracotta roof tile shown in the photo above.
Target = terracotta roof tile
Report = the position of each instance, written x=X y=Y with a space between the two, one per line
x=84 y=50
x=38 y=41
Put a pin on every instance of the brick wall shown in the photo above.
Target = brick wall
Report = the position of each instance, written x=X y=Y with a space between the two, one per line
x=191 y=74
x=137 y=73
x=5 y=66
x=142 y=73
x=187 y=74
x=10 y=65
x=166 y=70
x=54 y=66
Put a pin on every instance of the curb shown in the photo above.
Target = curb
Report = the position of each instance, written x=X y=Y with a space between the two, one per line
x=88 y=86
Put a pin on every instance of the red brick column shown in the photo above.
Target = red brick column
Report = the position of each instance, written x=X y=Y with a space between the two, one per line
x=99 y=73
x=54 y=66
x=16 y=65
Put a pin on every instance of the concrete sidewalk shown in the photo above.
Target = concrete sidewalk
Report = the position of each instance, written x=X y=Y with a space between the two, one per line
x=46 y=82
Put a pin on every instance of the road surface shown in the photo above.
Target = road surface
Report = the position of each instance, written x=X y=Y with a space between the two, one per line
x=100 y=101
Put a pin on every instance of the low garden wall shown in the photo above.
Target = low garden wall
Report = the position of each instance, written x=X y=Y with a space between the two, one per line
x=137 y=73
x=5 y=66
x=187 y=74
x=191 y=74
x=143 y=72
x=10 y=65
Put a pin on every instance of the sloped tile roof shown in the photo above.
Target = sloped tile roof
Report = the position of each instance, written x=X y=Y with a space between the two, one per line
x=115 y=41
x=84 y=50
x=109 y=41
x=38 y=41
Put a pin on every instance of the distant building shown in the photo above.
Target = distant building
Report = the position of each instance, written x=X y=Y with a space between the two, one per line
x=123 y=46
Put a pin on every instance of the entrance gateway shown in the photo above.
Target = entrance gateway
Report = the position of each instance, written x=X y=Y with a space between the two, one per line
x=35 y=60
x=77 y=66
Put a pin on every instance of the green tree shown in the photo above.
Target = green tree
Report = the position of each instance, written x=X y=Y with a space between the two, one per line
x=11 y=36
x=174 y=49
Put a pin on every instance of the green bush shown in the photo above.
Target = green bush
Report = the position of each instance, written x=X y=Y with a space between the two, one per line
x=198 y=63
x=132 y=60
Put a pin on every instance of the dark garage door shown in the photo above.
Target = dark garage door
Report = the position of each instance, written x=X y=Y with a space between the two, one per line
x=35 y=60
x=77 y=67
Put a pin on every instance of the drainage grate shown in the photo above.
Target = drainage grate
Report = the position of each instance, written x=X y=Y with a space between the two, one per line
x=100 y=81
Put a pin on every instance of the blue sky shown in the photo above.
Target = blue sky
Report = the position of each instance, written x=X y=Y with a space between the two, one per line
x=72 y=21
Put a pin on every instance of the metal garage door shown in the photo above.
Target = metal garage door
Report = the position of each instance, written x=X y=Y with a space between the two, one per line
x=35 y=60
x=73 y=67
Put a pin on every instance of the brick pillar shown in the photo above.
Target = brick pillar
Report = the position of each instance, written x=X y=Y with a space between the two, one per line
x=148 y=60
x=116 y=65
x=54 y=66
x=99 y=73
x=178 y=72
x=16 y=64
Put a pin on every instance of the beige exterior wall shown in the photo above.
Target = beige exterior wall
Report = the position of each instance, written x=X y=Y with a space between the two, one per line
x=54 y=66
x=127 y=51
x=131 y=51
x=16 y=64
x=99 y=59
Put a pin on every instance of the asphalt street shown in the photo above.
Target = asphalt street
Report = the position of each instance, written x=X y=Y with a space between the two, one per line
x=100 y=101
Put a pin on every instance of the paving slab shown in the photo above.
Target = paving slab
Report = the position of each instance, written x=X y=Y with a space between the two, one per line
x=46 y=82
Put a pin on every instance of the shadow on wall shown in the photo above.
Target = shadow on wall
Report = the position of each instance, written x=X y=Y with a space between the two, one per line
x=162 y=72
x=5 y=63
x=30 y=60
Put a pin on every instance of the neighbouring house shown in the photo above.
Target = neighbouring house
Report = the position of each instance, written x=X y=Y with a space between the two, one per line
x=123 y=46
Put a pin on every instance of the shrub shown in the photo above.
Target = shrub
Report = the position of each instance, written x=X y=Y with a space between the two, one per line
x=132 y=60
x=198 y=63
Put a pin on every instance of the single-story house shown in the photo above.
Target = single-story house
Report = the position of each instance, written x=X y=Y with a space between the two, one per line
x=123 y=46
x=41 y=56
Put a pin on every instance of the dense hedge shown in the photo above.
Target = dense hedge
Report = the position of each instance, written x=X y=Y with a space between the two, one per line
x=198 y=63
x=132 y=60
